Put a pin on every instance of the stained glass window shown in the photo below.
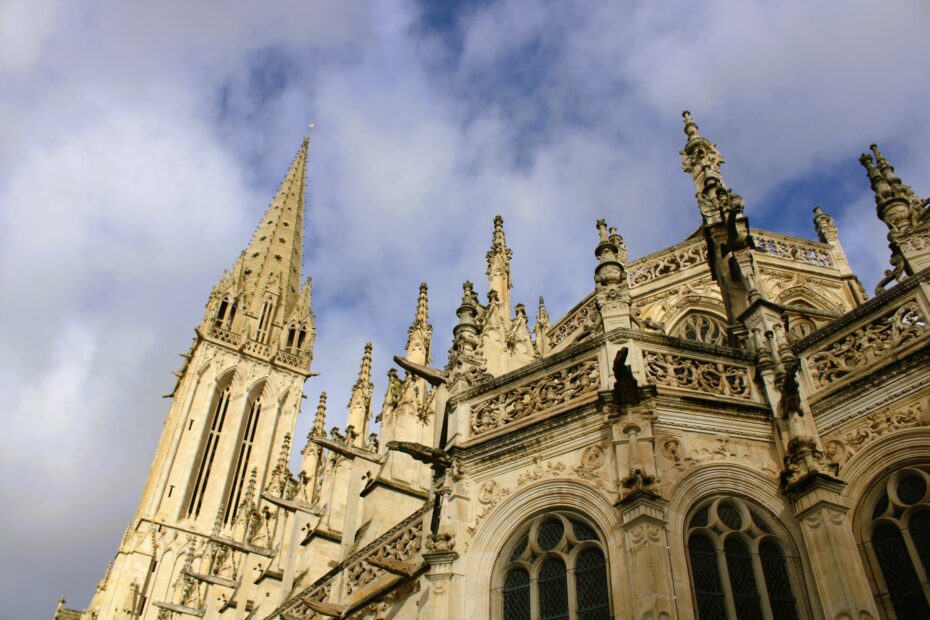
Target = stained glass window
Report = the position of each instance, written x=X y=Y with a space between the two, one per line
x=553 y=590
x=777 y=582
x=903 y=585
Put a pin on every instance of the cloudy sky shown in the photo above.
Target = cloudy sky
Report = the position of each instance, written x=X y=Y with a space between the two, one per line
x=143 y=141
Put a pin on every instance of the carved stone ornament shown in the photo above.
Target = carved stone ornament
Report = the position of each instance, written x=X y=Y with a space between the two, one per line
x=881 y=423
x=557 y=388
x=592 y=460
x=867 y=344
x=401 y=548
x=538 y=471
x=696 y=374
x=793 y=248
x=490 y=493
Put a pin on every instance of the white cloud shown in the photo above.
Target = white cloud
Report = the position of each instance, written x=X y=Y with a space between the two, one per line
x=146 y=138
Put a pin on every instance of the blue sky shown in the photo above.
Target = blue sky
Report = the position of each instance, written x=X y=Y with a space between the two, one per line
x=144 y=141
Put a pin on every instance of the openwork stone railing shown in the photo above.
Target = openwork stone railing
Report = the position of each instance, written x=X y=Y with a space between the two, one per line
x=587 y=314
x=868 y=343
x=225 y=335
x=257 y=348
x=555 y=389
x=399 y=551
x=676 y=259
x=291 y=359
x=699 y=375
x=791 y=248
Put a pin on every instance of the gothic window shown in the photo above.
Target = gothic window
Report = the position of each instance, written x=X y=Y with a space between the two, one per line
x=208 y=452
x=291 y=337
x=739 y=568
x=553 y=569
x=226 y=313
x=701 y=328
x=898 y=544
x=221 y=313
x=242 y=460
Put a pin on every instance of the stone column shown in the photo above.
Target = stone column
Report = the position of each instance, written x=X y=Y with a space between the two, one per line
x=648 y=562
x=839 y=576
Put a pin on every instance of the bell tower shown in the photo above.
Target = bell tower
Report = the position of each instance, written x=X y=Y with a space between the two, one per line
x=233 y=408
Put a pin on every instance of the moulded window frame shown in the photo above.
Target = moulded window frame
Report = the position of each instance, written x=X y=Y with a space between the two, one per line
x=502 y=566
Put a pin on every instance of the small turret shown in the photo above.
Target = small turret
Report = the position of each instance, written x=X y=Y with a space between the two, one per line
x=612 y=290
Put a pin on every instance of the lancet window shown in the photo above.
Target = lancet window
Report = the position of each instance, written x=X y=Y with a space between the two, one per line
x=264 y=321
x=553 y=568
x=701 y=327
x=897 y=544
x=208 y=451
x=740 y=567
x=296 y=334
x=243 y=457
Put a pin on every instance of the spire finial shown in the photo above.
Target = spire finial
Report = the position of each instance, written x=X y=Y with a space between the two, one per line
x=691 y=128
x=542 y=315
x=422 y=309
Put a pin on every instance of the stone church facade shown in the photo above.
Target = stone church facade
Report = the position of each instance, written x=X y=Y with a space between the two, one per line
x=726 y=428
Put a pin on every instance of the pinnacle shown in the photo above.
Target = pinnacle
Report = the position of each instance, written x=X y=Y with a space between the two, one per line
x=542 y=315
x=363 y=383
x=319 y=420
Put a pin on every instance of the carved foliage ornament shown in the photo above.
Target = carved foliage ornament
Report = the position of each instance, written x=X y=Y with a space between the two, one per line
x=793 y=249
x=401 y=548
x=557 y=388
x=867 y=344
x=697 y=374
x=586 y=316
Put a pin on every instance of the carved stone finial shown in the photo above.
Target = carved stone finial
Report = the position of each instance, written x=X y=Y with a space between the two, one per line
x=419 y=334
x=602 y=230
x=691 y=128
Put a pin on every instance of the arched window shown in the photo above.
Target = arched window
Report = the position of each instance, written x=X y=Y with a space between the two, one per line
x=898 y=543
x=739 y=567
x=701 y=328
x=208 y=452
x=554 y=568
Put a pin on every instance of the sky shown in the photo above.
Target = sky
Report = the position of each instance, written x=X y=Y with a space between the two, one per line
x=142 y=143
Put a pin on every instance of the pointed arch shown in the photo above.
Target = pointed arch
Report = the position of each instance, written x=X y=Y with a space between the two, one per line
x=805 y=296
x=209 y=443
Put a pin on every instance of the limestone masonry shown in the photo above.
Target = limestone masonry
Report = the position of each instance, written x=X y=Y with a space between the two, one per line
x=727 y=428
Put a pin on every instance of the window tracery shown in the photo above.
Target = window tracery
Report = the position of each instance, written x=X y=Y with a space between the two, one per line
x=554 y=568
x=897 y=543
x=739 y=567
x=701 y=327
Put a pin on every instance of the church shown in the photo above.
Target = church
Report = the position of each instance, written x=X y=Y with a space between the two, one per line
x=729 y=427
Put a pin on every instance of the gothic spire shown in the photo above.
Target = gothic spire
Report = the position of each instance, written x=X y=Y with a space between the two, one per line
x=360 y=401
x=418 y=335
x=272 y=260
x=499 y=265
